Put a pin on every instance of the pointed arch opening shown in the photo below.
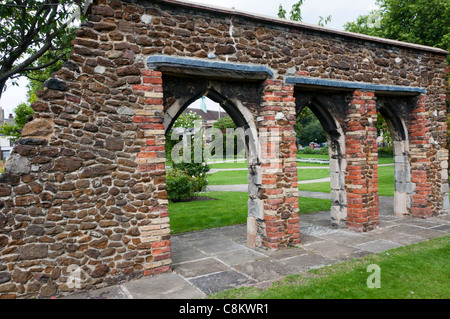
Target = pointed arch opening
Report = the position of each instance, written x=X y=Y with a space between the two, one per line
x=393 y=141
x=321 y=106
x=244 y=153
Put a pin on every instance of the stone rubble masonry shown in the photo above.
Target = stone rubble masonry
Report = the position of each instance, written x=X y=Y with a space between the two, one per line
x=85 y=185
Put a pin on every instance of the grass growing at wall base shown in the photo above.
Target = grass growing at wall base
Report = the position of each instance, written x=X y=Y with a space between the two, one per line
x=227 y=208
x=418 y=271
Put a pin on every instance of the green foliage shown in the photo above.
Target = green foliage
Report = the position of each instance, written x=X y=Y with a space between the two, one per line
x=425 y=22
x=281 y=12
x=308 y=128
x=224 y=123
x=195 y=170
x=36 y=36
x=387 y=151
x=296 y=14
x=185 y=120
x=179 y=185
x=324 y=21
x=21 y=114
x=382 y=128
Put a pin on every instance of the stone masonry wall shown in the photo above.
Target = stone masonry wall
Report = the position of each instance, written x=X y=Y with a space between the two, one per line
x=85 y=185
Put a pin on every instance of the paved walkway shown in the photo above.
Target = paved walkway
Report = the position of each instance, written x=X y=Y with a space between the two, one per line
x=209 y=261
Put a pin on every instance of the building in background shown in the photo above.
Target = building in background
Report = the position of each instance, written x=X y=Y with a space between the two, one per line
x=6 y=145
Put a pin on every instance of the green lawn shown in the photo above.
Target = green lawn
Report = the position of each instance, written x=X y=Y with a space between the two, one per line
x=386 y=183
x=317 y=156
x=228 y=165
x=244 y=165
x=417 y=271
x=228 y=178
x=240 y=177
x=310 y=174
x=322 y=187
x=228 y=208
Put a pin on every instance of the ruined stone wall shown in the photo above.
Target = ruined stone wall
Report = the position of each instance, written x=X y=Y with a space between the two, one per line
x=85 y=185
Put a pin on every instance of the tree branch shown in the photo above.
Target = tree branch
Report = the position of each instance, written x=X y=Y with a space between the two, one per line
x=43 y=66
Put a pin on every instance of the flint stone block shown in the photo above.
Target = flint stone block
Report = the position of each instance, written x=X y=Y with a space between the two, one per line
x=33 y=251
x=67 y=164
x=17 y=165
x=94 y=171
x=4 y=277
x=125 y=111
x=55 y=84
x=38 y=128
x=114 y=143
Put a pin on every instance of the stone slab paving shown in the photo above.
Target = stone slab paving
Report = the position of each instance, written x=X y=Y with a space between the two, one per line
x=209 y=261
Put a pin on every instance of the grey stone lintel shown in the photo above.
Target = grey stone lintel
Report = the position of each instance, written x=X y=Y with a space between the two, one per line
x=347 y=85
x=213 y=69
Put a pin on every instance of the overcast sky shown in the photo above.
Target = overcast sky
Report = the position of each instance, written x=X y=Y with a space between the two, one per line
x=342 y=11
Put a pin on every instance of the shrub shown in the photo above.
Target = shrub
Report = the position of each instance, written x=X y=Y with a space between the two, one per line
x=308 y=150
x=324 y=150
x=179 y=185
x=196 y=172
x=386 y=151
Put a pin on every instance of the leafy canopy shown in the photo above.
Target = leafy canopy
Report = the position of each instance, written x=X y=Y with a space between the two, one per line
x=35 y=35
x=21 y=114
x=425 y=22
x=296 y=14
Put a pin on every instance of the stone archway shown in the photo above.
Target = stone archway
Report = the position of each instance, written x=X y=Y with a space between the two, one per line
x=85 y=184
x=184 y=92
x=325 y=107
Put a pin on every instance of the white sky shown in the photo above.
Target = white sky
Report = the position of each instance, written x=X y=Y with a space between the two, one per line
x=342 y=11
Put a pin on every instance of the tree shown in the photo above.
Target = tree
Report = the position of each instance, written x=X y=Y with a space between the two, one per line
x=12 y=131
x=425 y=22
x=35 y=35
x=308 y=128
x=195 y=169
x=296 y=14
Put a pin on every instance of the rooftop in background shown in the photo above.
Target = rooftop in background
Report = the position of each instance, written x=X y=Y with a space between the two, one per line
x=9 y=120
x=210 y=115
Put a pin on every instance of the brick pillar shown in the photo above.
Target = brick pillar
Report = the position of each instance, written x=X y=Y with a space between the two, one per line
x=362 y=162
x=154 y=241
x=420 y=160
x=279 y=190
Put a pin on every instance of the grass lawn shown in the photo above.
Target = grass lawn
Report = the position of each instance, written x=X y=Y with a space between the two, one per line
x=228 y=178
x=417 y=271
x=228 y=165
x=228 y=208
x=244 y=165
x=318 y=156
x=240 y=177
x=386 y=183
